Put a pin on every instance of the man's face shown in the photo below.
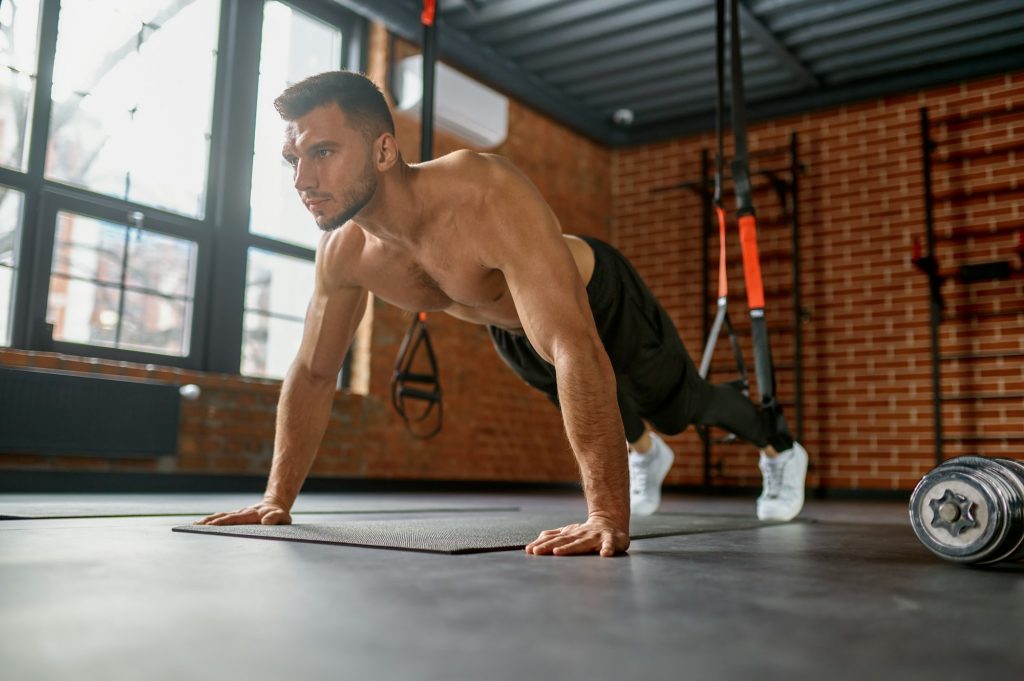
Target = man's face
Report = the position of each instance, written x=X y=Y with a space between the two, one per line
x=332 y=163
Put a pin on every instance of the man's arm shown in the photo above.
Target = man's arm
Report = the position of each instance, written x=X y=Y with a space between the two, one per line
x=552 y=304
x=303 y=411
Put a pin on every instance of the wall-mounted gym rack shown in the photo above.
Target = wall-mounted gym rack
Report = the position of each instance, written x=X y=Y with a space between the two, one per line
x=783 y=182
x=964 y=156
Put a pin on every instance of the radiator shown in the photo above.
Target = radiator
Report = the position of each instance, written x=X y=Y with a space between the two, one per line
x=64 y=412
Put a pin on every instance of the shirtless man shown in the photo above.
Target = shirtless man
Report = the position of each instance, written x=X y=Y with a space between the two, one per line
x=469 y=235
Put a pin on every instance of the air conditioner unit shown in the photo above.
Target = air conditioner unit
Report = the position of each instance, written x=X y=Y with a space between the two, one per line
x=462 y=106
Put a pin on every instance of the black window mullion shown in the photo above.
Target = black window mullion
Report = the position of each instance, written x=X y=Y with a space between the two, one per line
x=33 y=258
x=231 y=156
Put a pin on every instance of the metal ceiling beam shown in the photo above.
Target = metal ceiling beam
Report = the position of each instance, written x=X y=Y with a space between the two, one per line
x=403 y=19
x=775 y=83
x=553 y=18
x=929 y=76
x=491 y=13
x=668 y=50
x=623 y=43
x=1011 y=38
x=699 y=68
x=770 y=42
x=780 y=20
x=682 y=82
x=973 y=17
x=869 y=20
x=679 y=51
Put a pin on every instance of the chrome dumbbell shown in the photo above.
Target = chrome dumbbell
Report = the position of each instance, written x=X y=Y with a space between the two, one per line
x=971 y=510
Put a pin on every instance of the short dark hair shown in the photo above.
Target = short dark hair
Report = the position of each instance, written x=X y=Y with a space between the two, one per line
x=355 y=94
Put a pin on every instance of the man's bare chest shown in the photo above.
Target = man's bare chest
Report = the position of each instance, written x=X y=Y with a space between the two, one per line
x=434 y=279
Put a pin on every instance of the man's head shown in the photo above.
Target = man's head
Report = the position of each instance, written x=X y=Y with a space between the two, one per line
x=340 y=135
x=355 y=94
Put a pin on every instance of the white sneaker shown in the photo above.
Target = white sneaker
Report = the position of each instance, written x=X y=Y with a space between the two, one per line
x=646 y=473
x=784 y=476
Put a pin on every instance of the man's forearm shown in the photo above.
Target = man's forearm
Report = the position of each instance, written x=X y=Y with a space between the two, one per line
x=586 y=391
x=302 y=415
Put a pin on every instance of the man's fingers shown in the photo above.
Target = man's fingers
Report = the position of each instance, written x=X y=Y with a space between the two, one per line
x=568 y=543
x=582 y=545
x=209 y=518
x=544 y=544
x=548 y=535
x=237 y=518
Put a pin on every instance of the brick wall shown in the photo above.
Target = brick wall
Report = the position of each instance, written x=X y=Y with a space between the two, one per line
x=867 y=381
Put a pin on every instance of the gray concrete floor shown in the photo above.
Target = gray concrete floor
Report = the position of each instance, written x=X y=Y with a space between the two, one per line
x=851 y=596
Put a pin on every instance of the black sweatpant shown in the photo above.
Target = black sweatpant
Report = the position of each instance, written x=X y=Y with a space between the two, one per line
x=656 y=379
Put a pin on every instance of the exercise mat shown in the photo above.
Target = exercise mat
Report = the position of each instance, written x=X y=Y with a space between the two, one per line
x=466 y=533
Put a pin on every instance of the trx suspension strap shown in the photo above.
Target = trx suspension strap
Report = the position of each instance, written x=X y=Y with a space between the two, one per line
x=417 y=337
x=429 y=384
x=722 y=315
x=771 y=410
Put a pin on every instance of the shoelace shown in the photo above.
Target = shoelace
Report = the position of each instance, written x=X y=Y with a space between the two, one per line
x=638 y=476
x=773 y=478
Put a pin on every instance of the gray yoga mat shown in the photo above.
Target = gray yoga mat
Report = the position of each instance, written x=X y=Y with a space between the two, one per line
x=465 y=533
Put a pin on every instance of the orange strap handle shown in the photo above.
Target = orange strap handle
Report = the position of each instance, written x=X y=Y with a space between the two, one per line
x=751 y=262
x=429 y=10
x=723 y=280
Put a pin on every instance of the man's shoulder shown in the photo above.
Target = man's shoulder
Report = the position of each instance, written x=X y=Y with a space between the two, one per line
x=477 y=162
x=338 y=256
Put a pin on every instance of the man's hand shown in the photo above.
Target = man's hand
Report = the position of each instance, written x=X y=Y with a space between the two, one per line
x=261 y=514
x=597 y=535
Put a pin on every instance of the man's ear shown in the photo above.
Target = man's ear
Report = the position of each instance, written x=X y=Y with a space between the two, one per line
x=385 y=152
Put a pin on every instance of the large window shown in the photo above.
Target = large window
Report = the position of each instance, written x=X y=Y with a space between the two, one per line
x=140 y=172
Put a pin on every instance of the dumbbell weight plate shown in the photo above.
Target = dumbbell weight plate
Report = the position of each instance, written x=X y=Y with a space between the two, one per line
x=1014 y=470
x=976 y=494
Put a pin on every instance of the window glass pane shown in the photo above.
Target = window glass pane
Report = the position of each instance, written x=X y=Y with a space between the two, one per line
x=278 y=284
x=295 y=46
x=278 y=289
x=83 y=312
x=10 y=233
x=100 y=297
x=19 y=49
x=155 y=324
x=269 y=345
x=133 y=99
x=160 y=264
x=88 y=249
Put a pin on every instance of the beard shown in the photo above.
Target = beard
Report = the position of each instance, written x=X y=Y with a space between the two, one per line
x=354 y=200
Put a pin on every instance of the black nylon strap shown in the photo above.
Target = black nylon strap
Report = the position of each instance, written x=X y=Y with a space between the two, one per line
x=719 y=100
x=429 y=390
x=740 y=160
x=417 y=336
x=771 y=410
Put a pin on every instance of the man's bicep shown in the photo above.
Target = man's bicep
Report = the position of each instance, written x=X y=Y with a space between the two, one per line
x=331 y=321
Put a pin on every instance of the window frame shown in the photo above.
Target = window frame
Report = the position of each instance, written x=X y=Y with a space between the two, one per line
x=222 y=236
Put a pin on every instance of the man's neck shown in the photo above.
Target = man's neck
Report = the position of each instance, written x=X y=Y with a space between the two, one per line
x=396 y=212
